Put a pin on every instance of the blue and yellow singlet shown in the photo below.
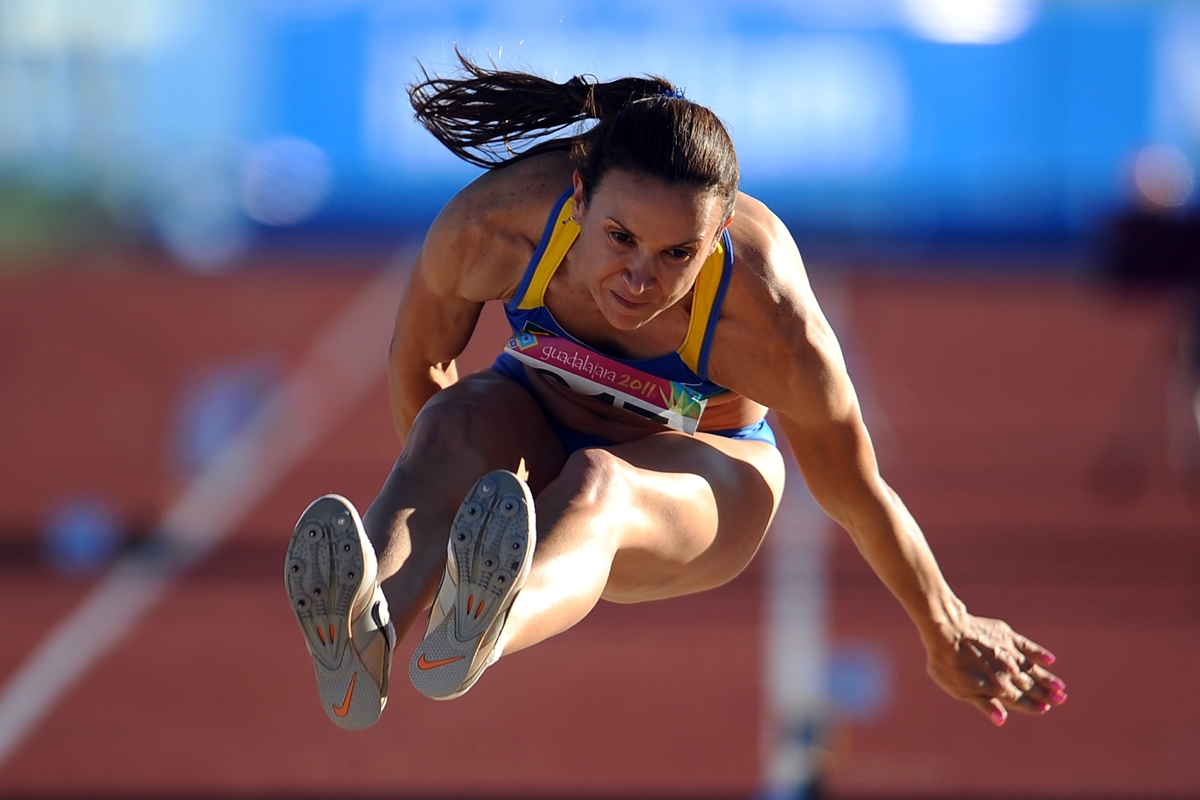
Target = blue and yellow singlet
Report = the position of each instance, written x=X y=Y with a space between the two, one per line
x=671 y=389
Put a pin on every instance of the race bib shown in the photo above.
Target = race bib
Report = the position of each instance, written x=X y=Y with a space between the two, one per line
x=675 y=405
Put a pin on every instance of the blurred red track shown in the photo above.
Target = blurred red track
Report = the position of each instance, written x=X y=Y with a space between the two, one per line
x=991 y=403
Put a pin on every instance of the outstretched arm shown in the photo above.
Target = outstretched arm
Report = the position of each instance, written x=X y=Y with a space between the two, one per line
x=782 y=353
x=979 y=660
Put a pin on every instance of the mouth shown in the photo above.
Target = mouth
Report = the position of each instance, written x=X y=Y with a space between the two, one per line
x=626 y=303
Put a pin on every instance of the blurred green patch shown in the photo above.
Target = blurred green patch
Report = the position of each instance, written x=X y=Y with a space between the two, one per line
x=35 y=223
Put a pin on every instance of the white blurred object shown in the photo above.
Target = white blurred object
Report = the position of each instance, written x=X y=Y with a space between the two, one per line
x=284 y=181
x=1176 y=89
x=969 y=21
x=198 y=218
x=1164 y=176
x=117 y=27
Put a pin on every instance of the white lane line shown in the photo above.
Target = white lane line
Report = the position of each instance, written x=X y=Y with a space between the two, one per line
x=337 y=370
x=796 y=646
x=796 y=605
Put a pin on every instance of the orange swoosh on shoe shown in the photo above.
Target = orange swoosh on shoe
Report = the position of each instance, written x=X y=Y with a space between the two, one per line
x=344 y=708
x=425 y=664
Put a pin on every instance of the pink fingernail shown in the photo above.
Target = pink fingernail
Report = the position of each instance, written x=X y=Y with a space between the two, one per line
x=1043 y=708
x=1059 y=699
x=1057 y=686
x=997 y=717
x=1048 y=658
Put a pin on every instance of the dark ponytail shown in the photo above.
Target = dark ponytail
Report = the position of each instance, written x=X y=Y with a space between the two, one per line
x=490 y=117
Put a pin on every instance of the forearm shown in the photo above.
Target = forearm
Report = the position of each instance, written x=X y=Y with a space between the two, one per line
x=410 y=386
x=841 y=472
x=431 y=331
x=892 y=543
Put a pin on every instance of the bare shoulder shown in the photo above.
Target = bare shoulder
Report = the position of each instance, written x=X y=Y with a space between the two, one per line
x=773 y=343
x=480 y=243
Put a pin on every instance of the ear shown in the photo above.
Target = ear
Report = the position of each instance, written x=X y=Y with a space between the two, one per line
x=577 y=192
x=724 y=227
x=729 y=219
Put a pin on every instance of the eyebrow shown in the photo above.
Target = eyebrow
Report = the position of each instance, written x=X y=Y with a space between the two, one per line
x=696 y=241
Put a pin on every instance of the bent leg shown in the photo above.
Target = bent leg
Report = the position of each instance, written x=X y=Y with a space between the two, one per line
x=483 y=422
x=654 y=518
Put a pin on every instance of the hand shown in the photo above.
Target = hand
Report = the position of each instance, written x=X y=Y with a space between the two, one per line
x=988 y=664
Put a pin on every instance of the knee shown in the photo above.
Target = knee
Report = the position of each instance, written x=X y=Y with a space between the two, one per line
x=595 y=477
x=450 y=428
x=592 y=481
x=442 y=456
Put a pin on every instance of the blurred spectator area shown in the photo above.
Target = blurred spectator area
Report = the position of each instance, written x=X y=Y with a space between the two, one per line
x=209 y=128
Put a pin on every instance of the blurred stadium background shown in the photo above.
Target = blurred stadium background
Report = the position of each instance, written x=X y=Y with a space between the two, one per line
x=206 y=213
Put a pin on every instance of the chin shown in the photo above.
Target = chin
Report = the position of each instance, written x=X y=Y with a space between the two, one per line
x=624 y=319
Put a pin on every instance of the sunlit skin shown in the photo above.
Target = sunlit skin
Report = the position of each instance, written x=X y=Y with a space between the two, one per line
x=657 y=513
x=642 y=243
x=624 y=286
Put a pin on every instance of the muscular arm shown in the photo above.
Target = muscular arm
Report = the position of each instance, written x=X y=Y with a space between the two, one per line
x=433 y=325
x=474 y=252
x=975 y=659
x=835 y=455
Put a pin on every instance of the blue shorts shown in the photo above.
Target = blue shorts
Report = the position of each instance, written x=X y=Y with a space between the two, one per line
x=573 y=440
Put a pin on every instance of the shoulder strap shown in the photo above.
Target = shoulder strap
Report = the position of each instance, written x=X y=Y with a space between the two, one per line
x=707 y=296
x=561 y=232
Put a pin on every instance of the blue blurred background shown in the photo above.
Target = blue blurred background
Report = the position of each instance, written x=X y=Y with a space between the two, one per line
x=210 y=127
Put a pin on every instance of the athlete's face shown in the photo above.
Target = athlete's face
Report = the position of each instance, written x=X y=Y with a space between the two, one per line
x=642 y=242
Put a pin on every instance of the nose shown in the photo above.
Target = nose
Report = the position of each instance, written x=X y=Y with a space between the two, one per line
x=638 y=275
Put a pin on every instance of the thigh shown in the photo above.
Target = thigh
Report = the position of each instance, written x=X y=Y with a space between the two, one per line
x=483 y=422
x=694 y=512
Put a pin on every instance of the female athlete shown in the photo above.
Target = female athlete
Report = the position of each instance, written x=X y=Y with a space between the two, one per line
x=617 y=448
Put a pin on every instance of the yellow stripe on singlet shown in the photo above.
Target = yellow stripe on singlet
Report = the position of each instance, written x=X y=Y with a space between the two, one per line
x=704 y=294
x=565 y=232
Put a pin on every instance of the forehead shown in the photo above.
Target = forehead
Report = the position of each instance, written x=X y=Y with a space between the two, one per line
x=654 y=208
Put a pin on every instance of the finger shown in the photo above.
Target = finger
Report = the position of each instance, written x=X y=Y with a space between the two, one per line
x=1017 y=691
x=1023 y=693
x=995 y=660
x=993 y=709
x=1002 y=666
x=1035 y=691
x=1024 y=682
x=1050 y=688
x=1029 y=704
x=1002 y=658
x=1034 y=651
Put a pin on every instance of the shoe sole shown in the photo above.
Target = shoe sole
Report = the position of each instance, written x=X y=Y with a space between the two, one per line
x=325 y=567
x=492 y=540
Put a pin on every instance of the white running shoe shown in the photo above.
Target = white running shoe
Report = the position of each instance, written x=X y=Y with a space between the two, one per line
x=488 y=559
x=331 y=580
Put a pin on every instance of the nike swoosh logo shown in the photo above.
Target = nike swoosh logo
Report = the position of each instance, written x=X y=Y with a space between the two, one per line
x=425 y=664
x=344 y=708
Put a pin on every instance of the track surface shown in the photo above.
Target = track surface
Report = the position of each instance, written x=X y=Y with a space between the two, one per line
x=993 y=406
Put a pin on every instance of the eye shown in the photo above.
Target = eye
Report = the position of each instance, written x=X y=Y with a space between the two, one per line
x=620 y=237
x=679 y=254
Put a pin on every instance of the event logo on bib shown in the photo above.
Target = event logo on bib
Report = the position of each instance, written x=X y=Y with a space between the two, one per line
x=670 y=403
